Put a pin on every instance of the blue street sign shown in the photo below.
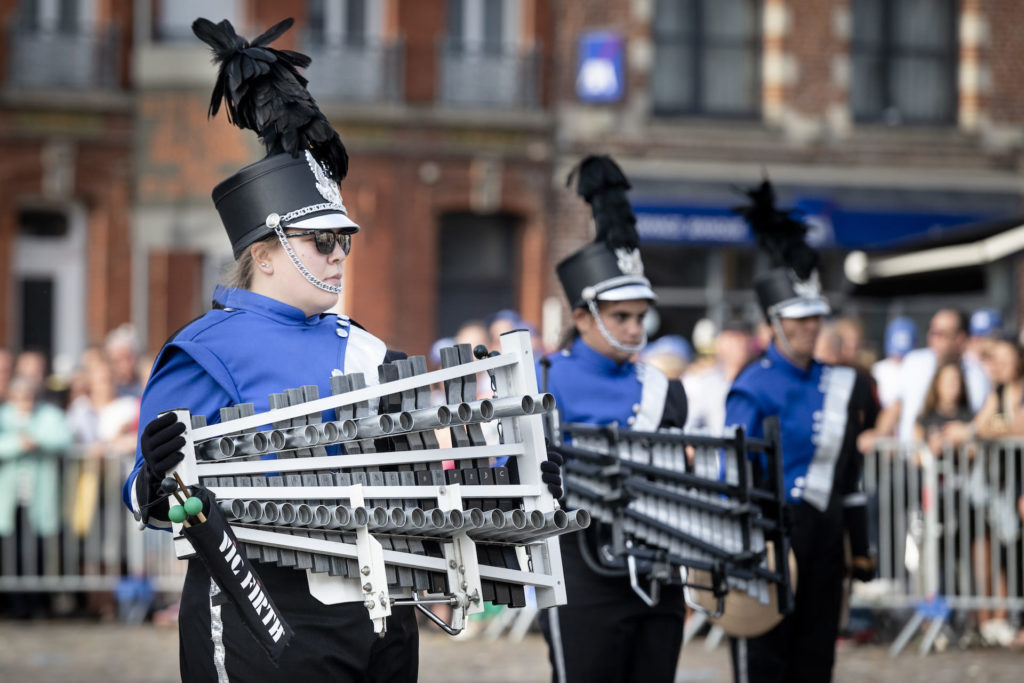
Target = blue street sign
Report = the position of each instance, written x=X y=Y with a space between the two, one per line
x=601 y=73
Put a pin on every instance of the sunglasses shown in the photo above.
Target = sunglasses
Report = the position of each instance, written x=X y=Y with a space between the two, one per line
x=326 y=239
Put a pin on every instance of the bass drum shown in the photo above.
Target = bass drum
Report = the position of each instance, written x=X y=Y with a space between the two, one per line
x=742 y=615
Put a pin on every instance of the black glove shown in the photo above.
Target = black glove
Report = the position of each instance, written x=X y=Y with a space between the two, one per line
x=161 y=444
x=551 y=470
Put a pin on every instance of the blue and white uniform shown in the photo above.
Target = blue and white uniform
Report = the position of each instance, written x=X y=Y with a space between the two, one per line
x=821 y=411
x=247 y=348
x=605 y=632
x=591 y=388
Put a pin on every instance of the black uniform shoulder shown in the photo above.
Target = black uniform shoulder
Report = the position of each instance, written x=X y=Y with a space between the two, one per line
x=676 y=405
x=864 y=403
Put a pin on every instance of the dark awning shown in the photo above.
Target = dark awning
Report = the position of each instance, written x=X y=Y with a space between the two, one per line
x=959 y=248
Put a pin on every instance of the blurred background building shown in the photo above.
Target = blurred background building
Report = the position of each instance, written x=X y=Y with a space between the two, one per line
x=895 y=125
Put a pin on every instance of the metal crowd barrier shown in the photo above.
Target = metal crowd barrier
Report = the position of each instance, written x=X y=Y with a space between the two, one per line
x=96 y=542
x=930 y=514
x=947 y=532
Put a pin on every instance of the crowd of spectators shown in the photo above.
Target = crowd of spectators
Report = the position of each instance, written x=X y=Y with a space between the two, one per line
x=960 y=386
x=60 y=435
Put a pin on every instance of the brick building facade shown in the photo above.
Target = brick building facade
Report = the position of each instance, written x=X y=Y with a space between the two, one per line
x=880 y=120
x=65 y=169
x=827 y=98
x=438 y=156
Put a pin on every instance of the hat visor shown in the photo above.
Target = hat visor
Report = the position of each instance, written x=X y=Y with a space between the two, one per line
x=331 y=219
x=628 y=293
x=804 y=308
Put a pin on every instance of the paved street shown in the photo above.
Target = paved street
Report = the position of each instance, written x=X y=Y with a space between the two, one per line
x=86 y=652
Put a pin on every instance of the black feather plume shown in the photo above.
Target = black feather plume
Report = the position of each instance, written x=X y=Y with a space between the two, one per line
x=263 y=91
x=603 y=185
x=779 y=232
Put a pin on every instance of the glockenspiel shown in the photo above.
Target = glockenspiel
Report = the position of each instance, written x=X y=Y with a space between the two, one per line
x=678 y=503
x=357 y=490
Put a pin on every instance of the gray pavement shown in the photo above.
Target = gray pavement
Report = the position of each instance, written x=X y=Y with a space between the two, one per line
x=88 y=652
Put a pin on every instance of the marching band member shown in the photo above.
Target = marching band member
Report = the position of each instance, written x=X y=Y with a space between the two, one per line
x=605 y=632
x=290 y=233
x=822 y=409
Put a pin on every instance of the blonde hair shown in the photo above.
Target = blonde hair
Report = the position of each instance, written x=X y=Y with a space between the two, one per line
x=239 y=275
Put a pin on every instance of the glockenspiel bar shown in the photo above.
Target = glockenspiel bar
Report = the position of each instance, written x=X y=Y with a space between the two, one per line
x=374 y=426
x=481 y=410
x=430 y=418
x=215 y=449
x=337 y=431
x=543 y=403
x=397 y=519
x=461 y=413
x=263 y=512
x=493 y=519
x=540 y=524
x=575 y=520
x=414 y=523
x=305 y=436
x=246 y=443
x=514 y=521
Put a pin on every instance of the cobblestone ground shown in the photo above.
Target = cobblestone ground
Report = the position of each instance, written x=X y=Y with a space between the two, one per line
x=86 y=652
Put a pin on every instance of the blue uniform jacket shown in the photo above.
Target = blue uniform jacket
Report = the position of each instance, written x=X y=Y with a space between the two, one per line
x=591 y=388
x=252 y=347
x=813 y=407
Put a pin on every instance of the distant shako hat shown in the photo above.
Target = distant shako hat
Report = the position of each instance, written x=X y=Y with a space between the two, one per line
x=297 y=183
x=791 y=288
x=610 y=268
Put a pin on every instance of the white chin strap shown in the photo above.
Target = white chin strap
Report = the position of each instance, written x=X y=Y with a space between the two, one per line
x=780 y=337
x=312 y=279
x=615 y=343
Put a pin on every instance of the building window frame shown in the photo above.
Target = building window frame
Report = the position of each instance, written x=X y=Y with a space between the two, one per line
x=354 y=23
x=888 y=52
x=698 y=43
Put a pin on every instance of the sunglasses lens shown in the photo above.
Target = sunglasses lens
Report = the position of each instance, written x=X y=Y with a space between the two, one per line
x=324 y=241
x=346 y=243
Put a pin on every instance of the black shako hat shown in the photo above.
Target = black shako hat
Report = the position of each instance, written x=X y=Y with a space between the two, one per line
x=610 y=268
x=297 y=183
x=791 y=288
x=278 y=190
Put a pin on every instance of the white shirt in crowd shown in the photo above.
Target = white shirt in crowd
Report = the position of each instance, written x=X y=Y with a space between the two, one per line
x=887 y=377
x=706 y=392
x=915 y=377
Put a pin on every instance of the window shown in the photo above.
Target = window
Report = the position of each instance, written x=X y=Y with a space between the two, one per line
x=54 y=16
x=347 y=22
x=478 y=261
x=707 y=57
x=904 y=61
x=482 y=61
x=48 y=294
x=352 y=58
x=173 y=18
x=487 y=26
x=43 y=223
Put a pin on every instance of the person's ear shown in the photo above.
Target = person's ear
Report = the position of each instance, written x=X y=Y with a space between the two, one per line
x=582 y=319
x=260 y=252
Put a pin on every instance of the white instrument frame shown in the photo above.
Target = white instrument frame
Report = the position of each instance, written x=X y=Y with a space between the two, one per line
x=514 y=375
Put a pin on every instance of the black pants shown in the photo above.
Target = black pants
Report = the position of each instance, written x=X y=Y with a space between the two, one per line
x=801 y=648
x=606 y=633
x=330 y=642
